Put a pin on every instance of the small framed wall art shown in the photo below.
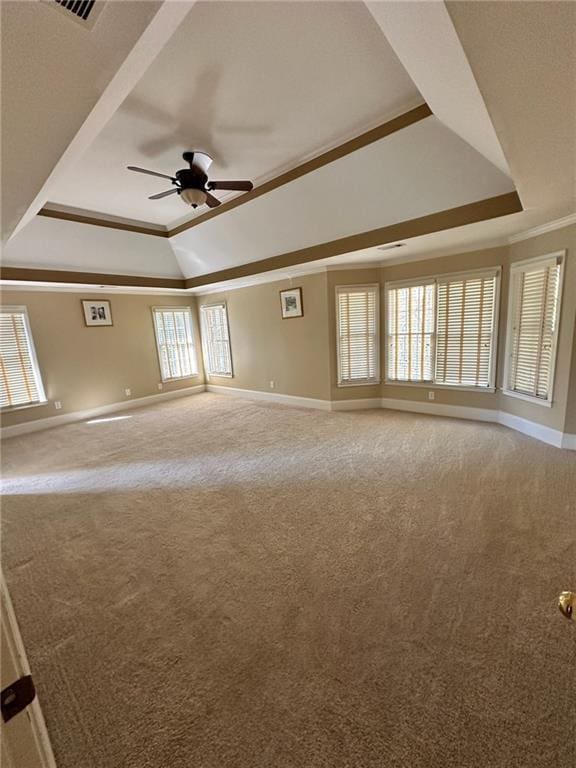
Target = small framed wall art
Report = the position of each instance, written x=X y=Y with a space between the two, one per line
x=291 y=303
x=97 y=312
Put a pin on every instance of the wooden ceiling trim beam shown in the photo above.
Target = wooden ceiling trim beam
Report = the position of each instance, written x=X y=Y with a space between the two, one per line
x=101 y=222
x=369 y=137
x=88 y=278
x=482 y=210
x=491 y=208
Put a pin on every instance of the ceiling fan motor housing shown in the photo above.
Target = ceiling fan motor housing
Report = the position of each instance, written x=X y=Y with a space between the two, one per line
x=192 y=178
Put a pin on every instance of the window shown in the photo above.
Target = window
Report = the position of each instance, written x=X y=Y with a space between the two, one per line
x=533 y=319
x=442 y=330
x=175 y=342
x=216 y=340
x=20 y=381
x=358 y=338
x=411 y=332
x=465 y=330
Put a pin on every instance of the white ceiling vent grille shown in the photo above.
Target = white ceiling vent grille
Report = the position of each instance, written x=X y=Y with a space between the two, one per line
x=83 y=11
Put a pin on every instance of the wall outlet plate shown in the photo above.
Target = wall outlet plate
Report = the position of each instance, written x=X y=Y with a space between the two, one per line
x=431 y=395
x=160 y=385
x=272 y=384
x=127 y=392
x=57 y=405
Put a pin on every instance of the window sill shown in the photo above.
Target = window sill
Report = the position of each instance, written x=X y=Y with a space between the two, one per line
x=180 y=378
x=359 y=383
x=432 y=385
x=220 y=375
x=527 y=398
x=10 y=408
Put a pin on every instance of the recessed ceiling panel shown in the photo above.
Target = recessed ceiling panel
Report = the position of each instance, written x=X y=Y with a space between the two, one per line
x=260 y=86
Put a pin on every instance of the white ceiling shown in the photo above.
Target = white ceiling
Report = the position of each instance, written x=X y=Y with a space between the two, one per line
x=261 y=86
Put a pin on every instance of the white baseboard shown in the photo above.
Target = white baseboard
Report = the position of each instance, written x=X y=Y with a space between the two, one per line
x=531 y=428
x=440 y=409
x=356 y=405
x=68 y=418
x=272 y=397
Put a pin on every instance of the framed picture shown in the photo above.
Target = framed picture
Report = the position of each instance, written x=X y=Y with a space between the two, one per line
x=291 y=303
x=97 y=312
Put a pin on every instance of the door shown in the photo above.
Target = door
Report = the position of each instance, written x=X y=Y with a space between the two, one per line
x=25 y=742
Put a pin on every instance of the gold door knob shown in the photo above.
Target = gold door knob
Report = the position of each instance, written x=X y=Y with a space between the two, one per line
x=567 y=604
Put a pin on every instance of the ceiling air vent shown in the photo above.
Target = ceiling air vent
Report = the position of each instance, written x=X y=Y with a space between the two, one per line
x=85 y=12
x=80 y=8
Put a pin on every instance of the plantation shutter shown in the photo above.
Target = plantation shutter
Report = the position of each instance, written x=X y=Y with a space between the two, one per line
x=216 y=340
x=464 y=329
x=175 y=341
x=358 y=336
x=534 y=316
x=20 y=381
x=410 y=331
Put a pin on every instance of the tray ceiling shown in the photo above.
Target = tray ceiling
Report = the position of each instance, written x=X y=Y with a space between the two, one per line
x=259 y=86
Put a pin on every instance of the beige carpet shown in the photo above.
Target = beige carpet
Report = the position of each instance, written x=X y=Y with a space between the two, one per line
x=219 y=583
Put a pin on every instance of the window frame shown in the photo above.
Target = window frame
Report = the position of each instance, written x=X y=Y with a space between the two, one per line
x=378 y=378
x=161 y=308
x=205 y=356
x=524 y=266
x=435 y=278
x=43 y=400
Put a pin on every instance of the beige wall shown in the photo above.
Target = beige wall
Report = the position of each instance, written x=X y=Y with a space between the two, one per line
x=86 y=367
x=294 y=353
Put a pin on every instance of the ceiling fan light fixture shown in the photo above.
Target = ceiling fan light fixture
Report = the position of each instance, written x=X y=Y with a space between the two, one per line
x=193 y=197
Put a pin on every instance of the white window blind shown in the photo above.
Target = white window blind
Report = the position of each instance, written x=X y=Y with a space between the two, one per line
x=216 y=340
x=410 y=332
x=175 y=342
x=465 y=330
x=533 y=327
x=20 y=381
x=358 y=334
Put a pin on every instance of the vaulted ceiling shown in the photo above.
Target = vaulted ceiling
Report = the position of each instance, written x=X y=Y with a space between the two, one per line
x=275 y=92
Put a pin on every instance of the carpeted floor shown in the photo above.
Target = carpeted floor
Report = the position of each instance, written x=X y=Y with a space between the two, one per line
x=219 y=583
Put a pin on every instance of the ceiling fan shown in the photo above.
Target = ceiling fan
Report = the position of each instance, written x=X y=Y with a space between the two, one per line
x=192 y=184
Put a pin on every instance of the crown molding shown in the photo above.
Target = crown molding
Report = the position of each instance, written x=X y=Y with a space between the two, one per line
x=542 y=229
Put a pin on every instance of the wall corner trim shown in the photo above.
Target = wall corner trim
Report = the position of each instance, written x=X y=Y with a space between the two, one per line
x=68 y=418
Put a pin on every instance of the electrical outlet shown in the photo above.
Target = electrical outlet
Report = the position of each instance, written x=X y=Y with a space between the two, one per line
x=127 y=392
x=272 y=384
x=160 y=385
x=431 y=395
x=57 y=405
